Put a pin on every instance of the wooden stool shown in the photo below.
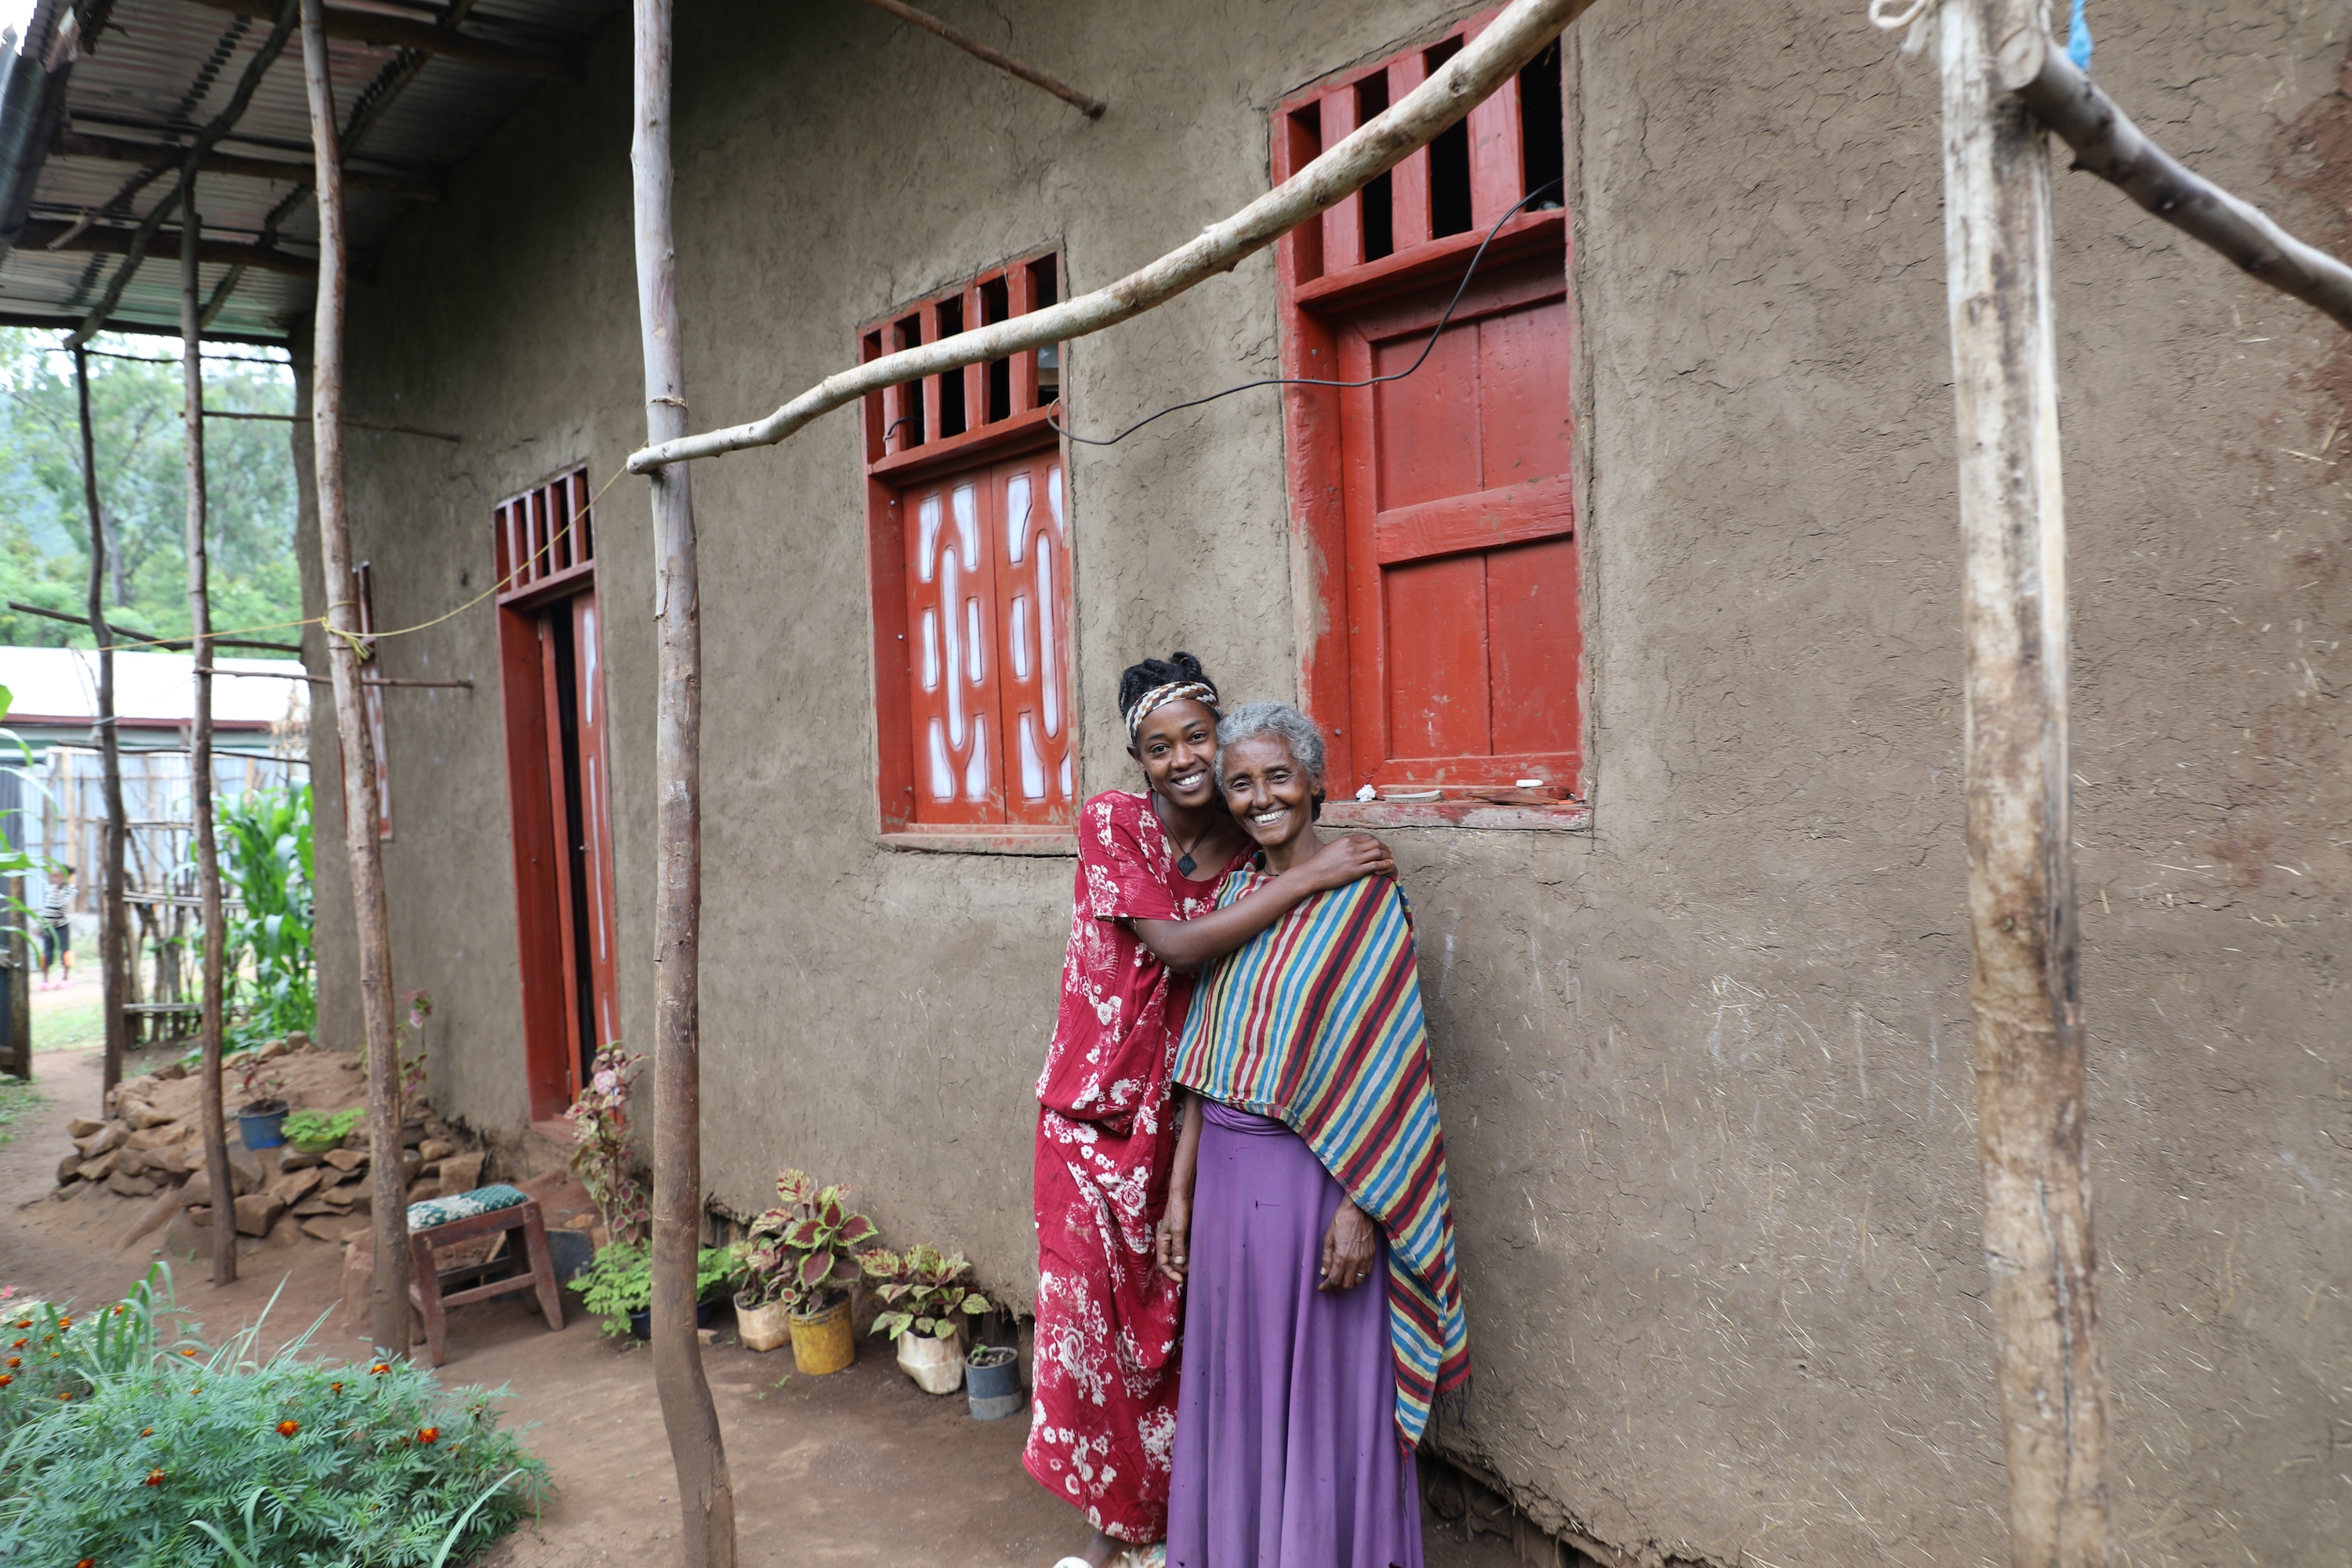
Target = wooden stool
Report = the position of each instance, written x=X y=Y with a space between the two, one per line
x=465 y=1216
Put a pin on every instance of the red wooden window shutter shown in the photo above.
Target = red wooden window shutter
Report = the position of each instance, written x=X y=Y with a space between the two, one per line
x=1439 y=503
x=971 y=567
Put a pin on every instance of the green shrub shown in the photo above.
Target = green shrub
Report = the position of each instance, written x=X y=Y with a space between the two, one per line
x=309 y=1129
x=129 y=1441
x=621 y=1280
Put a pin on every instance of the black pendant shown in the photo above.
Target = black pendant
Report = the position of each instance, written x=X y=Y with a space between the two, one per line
x=1185 y=865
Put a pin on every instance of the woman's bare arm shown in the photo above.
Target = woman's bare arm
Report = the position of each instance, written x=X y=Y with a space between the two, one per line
x=1188 y=944
x=1173 y=1240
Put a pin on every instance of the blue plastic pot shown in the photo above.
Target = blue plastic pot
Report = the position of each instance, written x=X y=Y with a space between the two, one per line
x=261 y=1130
x=996 y=1391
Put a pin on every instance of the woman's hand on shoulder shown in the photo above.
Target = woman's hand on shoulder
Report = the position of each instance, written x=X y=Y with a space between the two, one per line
x=1347 y=1248
x=1350 y=857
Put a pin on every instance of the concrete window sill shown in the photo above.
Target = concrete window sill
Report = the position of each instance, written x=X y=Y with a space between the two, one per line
x=1059 y=841
x=1565 y=816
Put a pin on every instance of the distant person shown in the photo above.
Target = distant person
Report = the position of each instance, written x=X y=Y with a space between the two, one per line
x=1308 y=1214
x=56 y=931
x=1104 y=1411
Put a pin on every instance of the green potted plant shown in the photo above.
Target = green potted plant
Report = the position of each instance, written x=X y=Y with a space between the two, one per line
x=810 y=1233
x=315 y=1131
x=926 y=1303
x=619 y=1287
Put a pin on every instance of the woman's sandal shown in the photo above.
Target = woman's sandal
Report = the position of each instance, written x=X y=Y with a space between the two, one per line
x=1153 y=1556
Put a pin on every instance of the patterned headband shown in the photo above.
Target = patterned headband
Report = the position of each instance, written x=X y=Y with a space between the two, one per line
x=1161 y=696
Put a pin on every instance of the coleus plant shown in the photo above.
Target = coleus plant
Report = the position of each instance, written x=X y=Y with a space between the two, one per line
x=922 y=1289
x=799 y=1250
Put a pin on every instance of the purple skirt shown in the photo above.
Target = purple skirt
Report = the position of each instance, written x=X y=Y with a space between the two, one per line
x=1286 y=1449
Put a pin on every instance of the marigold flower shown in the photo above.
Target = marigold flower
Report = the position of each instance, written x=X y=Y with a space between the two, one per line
x=6 y=1380
x=187 y=1353
x=429 y=1435
x=287 y=1428
x=154 y=1477
x=381 y=1366
x=147 y=1432
x=15 y=1361
x=87 y=1563
x=334 y=1388
x=19 y=1345
x=64 y=1396
x=65 y=1323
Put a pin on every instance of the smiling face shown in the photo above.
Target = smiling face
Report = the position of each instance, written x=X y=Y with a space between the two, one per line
x=1269 y=791
x=1178 y=748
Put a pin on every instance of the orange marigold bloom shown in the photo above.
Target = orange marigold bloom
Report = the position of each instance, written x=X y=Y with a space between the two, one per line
x=380 y=1366
x=6 y=1380
x=154 y=1477
x=15 y=1361
x=65 y=1323
x=65 y=1395
x=334 y=1388
x=187 y=1353
x=19 y=1345
x=429 y=1435
x=147 y=1432
x=87 y=1563
x=287 y=1428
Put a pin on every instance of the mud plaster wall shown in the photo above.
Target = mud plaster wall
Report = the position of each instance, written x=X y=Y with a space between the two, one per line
x=1703 y=1072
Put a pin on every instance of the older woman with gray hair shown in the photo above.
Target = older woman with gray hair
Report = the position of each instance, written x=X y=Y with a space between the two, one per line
x=1310 y=1165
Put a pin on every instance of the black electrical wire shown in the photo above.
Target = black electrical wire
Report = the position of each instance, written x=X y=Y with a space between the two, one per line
x=1426 y=348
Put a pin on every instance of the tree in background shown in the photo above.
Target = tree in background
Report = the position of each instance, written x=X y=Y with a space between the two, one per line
x=135 y=404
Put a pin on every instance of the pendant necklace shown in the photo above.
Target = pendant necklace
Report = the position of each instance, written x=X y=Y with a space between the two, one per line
x=1184 y=862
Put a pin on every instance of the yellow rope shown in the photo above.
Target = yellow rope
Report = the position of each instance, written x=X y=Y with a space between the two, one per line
x=362 y=643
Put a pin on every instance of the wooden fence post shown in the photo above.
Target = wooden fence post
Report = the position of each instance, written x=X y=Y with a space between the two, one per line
x=2028 y=1043
x=706 y=1495
x=388 y=1301
x=114 y=957
x=200 y=750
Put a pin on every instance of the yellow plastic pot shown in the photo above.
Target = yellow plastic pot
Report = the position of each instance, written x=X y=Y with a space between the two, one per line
x=822 y=1342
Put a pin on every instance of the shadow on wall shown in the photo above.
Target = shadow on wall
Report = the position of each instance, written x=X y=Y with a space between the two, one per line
x=1466 y=1523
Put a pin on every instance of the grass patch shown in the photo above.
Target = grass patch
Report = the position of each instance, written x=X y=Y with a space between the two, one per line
x=18 y=1099
x=68 y=1020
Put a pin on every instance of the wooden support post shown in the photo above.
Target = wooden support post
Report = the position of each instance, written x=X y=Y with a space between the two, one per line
x=2031 y=1142
x=388 y=1299
x=200 y=748
x=113 y=961
x=706 y=1495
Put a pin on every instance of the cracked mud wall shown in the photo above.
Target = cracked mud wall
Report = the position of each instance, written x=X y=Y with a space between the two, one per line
x=1705 y=1071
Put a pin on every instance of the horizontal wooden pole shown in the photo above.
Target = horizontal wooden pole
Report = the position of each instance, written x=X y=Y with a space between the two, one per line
x=44 y=233
x=1515 y=37
x=467 y=684
x=354 y=424
x=1091 y=106
x=162 y=643
x=285 y=170
x=2108 y=144
x=401 y=33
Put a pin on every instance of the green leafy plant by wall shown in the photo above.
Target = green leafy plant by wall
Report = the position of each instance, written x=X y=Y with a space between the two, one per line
x=921 y=1289
x=621 y=1280
x=266 y=857
x=124 y=1439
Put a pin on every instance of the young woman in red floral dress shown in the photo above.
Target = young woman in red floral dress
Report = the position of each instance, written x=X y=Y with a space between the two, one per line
x=1103 y=1422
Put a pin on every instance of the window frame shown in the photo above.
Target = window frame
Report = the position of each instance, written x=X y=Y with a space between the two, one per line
x=1320 y=277
x=895 y=467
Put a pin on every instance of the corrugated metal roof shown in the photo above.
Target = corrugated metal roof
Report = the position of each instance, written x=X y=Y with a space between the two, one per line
x=162 y=70
x=59 y=686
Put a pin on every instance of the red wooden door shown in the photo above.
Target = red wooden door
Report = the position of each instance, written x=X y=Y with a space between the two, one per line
x=595 y=821
x=1462 y=574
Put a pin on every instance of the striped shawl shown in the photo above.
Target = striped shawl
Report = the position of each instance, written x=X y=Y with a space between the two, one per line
x=1316 y=1023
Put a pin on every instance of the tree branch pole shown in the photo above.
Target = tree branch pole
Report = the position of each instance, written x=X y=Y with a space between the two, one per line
x=388 y=1300
x=2027 y=1046
x=1515 y=37
x=113 y=950
x=2108 y=144
x=1091 y=107
x=209 y=1020
x=697 y=1449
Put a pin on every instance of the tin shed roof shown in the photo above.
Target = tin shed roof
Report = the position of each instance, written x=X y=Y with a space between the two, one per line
x=99 y=100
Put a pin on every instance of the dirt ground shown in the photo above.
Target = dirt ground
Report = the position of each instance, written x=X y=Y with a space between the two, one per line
x=861 y=1466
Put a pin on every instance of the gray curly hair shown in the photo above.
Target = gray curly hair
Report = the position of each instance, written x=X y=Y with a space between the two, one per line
x=1280 y=720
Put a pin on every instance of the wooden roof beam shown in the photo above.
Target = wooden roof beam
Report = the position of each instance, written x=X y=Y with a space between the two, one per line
x=42 y=234
x=285 y=170
x=401 y=33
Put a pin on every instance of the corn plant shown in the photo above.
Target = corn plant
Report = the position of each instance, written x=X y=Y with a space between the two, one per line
x=265 y=838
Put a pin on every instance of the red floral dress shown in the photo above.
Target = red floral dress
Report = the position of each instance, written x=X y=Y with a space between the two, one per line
x=1103 y=1420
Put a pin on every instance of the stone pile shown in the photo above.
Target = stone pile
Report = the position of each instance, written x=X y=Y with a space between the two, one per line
x=153 y=1144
